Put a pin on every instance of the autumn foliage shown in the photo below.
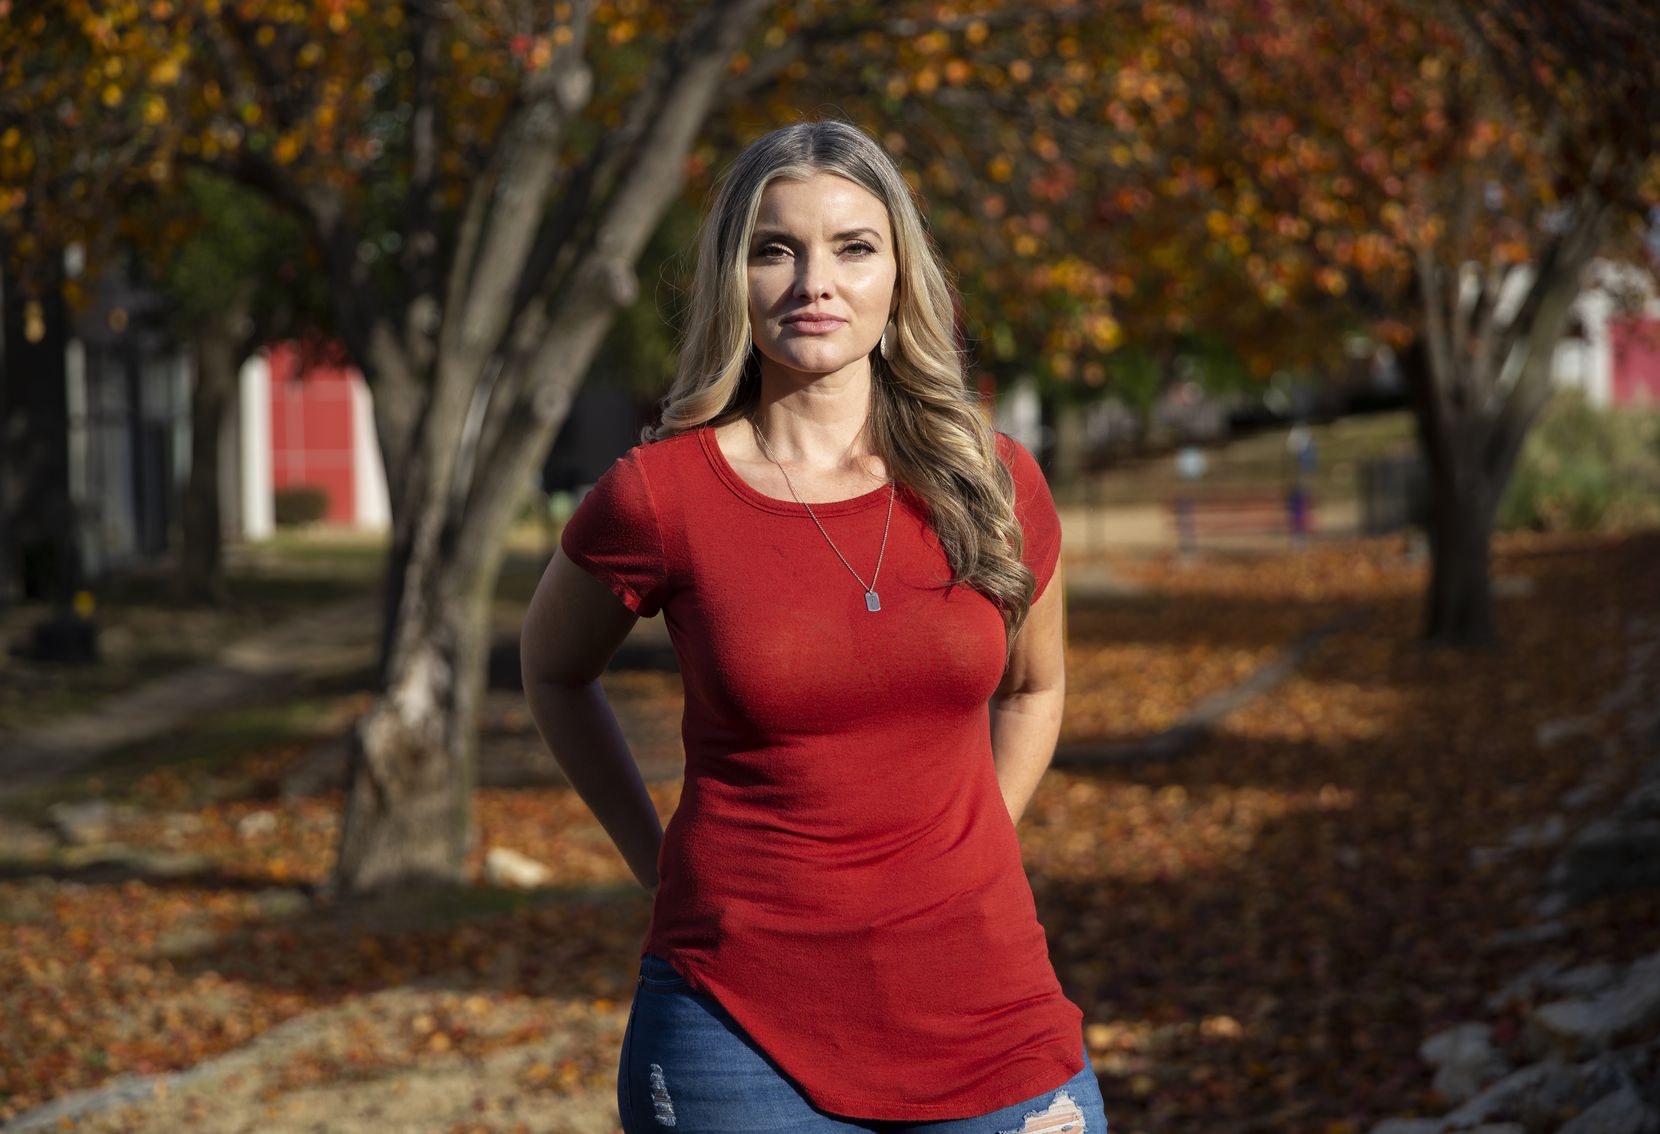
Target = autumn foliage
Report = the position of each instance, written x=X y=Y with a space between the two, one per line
x=1101 y=174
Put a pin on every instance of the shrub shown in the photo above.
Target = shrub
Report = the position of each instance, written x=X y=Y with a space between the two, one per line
x=299 y=504
x=1586 y=469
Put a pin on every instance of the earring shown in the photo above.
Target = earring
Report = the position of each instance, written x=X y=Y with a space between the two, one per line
x=882 y=343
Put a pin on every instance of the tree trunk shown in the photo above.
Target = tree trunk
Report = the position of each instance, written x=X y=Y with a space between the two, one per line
x=409 y=791
x=1459 y=603
x=216 y=345
x=1477 y=384
x=1068 y=455
x=1453 y=443
x=40 y=550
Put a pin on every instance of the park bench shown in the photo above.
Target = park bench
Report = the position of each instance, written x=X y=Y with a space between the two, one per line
x=1194 y=517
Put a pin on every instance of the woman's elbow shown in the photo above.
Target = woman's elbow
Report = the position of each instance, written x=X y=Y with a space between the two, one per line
x=542 y=665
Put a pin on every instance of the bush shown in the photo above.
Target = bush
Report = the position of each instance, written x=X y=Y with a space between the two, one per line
x=1586 y=469
x=300 y=504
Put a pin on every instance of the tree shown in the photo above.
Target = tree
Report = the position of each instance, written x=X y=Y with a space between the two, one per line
x=1585 y=77
x=224 y=262
x=479 y=202
x=1091 y=242
x=1447 y=179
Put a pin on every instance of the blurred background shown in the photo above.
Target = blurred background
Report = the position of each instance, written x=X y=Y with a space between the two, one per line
x=1334 y=327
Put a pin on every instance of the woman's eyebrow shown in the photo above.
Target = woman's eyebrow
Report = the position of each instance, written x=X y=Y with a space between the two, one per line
x=762 y=235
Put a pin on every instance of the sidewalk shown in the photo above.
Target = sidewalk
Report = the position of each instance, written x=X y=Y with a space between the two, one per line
x=1143 y=529
x=333 y=639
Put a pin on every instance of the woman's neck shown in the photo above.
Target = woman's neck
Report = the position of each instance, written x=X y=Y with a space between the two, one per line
x=817 y=420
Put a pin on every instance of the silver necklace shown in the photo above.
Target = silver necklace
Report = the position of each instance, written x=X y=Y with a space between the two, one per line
x=872 y=601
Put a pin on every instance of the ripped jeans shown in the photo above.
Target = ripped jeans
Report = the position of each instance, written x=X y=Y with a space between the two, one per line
x=687 y=1068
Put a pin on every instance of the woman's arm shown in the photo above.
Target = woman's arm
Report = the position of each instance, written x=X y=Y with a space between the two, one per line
x=1026 y=709
x=572 y=628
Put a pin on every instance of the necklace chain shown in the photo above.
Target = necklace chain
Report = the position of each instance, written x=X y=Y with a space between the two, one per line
x=871 y=600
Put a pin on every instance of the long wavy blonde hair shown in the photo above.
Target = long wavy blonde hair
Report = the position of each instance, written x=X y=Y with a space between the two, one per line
x=924 y=423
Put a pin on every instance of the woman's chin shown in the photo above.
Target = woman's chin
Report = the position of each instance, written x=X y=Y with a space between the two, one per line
x=817 y=363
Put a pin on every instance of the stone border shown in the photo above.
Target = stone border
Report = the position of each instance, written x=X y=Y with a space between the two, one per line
x=1592 y=1032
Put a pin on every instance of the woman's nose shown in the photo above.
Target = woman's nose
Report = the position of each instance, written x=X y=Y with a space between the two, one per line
x=814 y=278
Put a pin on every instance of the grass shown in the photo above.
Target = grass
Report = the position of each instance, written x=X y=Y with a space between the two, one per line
x=143 y=632
x=1253 y=463
x=209 y=756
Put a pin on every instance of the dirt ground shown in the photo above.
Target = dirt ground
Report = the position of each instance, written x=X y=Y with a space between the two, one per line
x=544 y=1087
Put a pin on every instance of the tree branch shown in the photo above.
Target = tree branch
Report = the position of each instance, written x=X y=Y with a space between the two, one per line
x=1435 y=364
x=283 y=98
x=478 y=304
x=1540 y=322
x=1485 y=333
x=555 y=241
x=421 y=243
x=580 y=307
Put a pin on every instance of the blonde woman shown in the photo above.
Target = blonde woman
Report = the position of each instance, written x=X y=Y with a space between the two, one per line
x=859 y=577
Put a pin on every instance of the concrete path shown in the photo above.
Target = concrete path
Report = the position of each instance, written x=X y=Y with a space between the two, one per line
x=332 y=639
x=1148 y=528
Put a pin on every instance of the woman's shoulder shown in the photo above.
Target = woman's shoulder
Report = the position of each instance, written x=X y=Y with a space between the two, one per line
x=636 y=476
x=666 y=454
x=1031 y=486
x=652 y=472
x=1034 y=507
x=1013 y=453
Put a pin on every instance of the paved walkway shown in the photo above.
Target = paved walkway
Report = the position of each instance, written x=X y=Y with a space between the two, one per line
x=332 y=639
x=1147 y=528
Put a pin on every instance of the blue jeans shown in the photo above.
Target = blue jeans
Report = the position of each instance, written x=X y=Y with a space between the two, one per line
x=688 y=1068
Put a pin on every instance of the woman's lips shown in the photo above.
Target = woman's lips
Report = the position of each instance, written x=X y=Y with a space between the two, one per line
x=814 y=324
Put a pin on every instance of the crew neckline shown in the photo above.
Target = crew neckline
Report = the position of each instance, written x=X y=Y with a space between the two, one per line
x=748 y=492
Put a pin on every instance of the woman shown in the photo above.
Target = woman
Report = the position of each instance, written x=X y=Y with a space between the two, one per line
x=858 y=577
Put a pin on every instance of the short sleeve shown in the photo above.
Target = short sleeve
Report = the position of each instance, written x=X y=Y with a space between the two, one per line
x=1035 y=509
x=614 y=536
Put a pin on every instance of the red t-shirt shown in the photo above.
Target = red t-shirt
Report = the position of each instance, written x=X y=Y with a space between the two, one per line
x=841 y=873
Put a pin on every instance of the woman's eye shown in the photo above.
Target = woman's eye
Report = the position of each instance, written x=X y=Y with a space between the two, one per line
x=771 y=252
x=858 y=248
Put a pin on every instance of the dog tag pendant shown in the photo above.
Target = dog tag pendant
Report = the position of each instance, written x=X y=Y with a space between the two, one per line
x=872 y=602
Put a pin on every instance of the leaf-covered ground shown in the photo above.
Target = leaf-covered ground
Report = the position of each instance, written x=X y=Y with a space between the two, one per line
x=1260 y=933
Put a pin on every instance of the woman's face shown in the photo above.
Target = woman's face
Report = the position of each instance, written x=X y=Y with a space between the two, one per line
x=822 y=273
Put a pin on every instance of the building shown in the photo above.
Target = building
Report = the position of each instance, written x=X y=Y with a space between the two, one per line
x=1615 y=357
x=305 y=422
